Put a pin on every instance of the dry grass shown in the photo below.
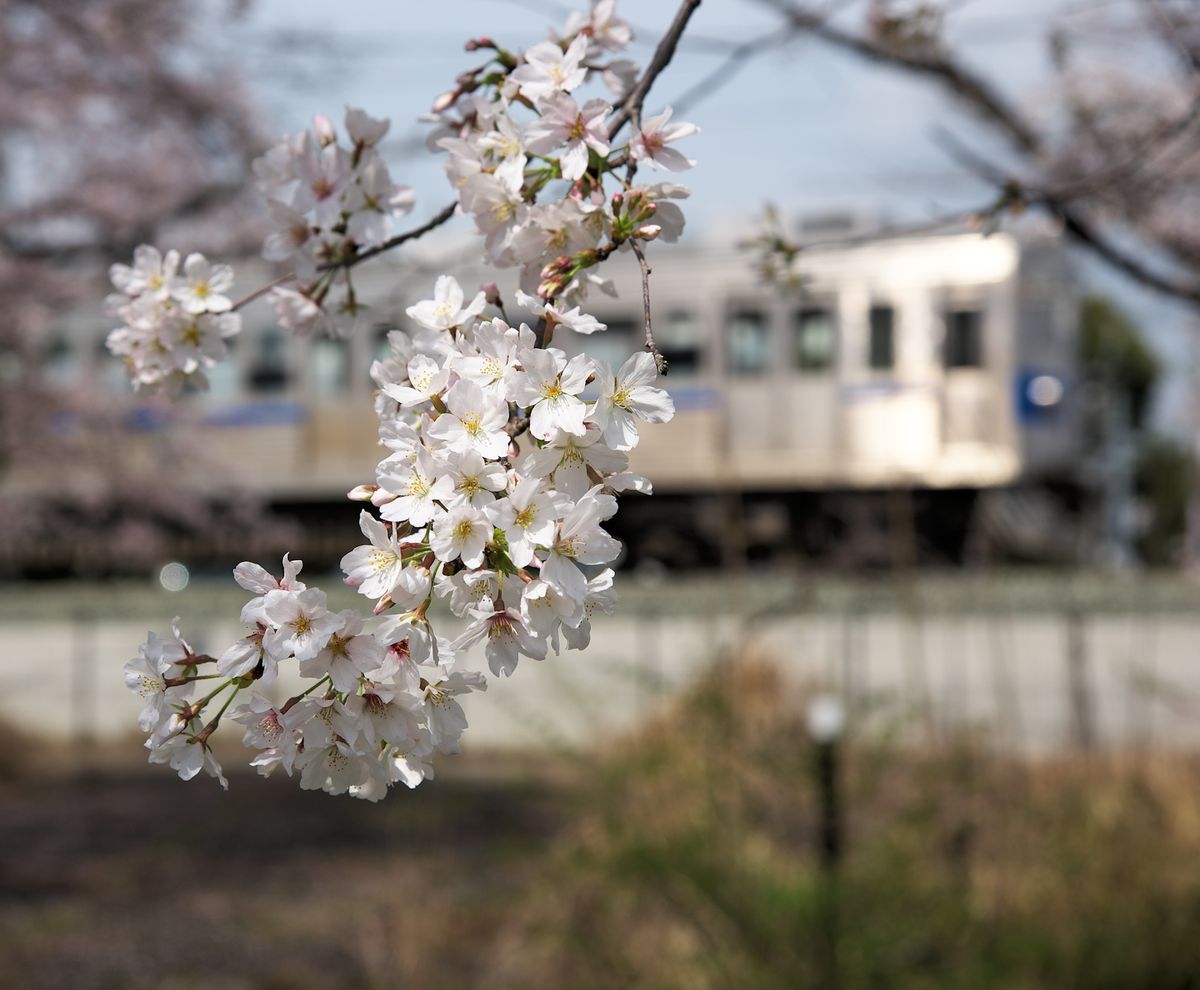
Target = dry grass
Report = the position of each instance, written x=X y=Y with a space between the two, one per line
x=682 y=857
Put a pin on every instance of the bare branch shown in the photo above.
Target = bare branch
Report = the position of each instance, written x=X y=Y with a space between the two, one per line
x=246 y=300
x=660 y=362
x=979 y=95
x=409 y=235
x=729 y=67
x=972 y=88
x=632 y=104
x=1075 y=224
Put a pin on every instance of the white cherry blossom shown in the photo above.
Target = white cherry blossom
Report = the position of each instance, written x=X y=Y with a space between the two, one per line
x=419 y=484
x=476 y=481
x=426 y=379
x=550 y=386
x=628 y=397
x=463 y=532
x=203 y=285
x=563 y=124
x=300 y=623
x=527 y=519
x=549 y=70
x=649 y=145
x=507 y=635
x=474 y=421
x=446 y=310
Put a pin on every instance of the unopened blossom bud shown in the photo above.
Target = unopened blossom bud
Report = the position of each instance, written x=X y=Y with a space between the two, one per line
x=551 y=287
x=446 y=100
x=647 y=232
x=326 y=132
x=556 y=267
x=362 y=493
x=491 y=293
x=476 y=43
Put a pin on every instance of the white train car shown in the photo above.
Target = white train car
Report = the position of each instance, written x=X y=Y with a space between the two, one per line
x=933 y=362
x=928 y=363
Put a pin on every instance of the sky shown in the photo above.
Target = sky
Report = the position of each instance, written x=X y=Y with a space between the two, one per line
x=803 y=127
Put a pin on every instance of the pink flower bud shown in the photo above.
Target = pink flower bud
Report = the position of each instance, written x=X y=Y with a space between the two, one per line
x=491 y=293
x=326 y=132
x=647 y=232
x=446 y=100
x=362 y=493
x=550 y=288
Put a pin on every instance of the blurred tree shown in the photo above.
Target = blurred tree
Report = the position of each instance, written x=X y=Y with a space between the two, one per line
x=1165 y=480
x=1120 y=374
x=117 y=126
x=1110 y=151
x=1113 y=354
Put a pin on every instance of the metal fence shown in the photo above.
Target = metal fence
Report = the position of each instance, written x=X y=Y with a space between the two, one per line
x=1035 y=674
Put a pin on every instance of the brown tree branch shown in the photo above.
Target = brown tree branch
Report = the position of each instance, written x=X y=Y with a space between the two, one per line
x=979 y=95
x=409 y=235
x=632 y=104
x=261 y=291
x=1075 y=224
x=660 y=362
x=738 y=57
x=965 y=83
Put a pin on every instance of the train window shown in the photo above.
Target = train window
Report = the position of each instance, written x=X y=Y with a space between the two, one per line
x=61 y=364
x=223 y=376
x=963 y=347
x=330 y=364
x=678 y=337
x=816 y=340
x=881 y=349
x=613 y=346
x=110 y=371
x=381 y=349
x=748 y=350
x=269 y=372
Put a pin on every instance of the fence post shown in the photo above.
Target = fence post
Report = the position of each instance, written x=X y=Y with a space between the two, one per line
x=1079 y=688
x=83 y=684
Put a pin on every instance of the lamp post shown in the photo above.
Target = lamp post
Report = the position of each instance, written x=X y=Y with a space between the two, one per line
x=826 y=720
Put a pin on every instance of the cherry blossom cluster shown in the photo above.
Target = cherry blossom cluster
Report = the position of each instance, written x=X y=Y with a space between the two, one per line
x=517 y=128
x=327 y=202
x=510 y=538
x=504 y=456
x=176 y=320
x=379 y=704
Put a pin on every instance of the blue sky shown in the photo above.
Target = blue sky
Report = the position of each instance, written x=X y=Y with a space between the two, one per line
x=804 y=127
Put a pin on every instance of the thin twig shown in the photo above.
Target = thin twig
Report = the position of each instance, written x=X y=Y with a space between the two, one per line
x=733 y=63
x=660 y=362
x=959 y=79
x=632 y=104
x=409 y=235
x=262 y=291
x=979 y=94
x=516 y=426
x=1078 y=227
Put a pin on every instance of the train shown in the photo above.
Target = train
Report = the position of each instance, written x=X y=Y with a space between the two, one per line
x=905 y=388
